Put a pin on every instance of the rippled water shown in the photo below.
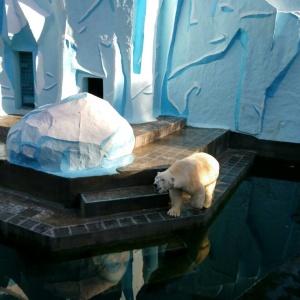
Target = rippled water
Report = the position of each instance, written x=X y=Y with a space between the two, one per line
x=250 y=250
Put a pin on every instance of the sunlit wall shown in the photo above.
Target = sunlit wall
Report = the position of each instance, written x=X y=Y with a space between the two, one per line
x=231 y=64
x=228 y=64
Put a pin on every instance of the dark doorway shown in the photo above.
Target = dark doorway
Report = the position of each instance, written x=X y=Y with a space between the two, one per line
x=26 y=79
x=95 y=86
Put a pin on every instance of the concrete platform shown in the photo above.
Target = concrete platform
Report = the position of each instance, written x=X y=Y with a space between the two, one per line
x=32 y=221
x=59 y=214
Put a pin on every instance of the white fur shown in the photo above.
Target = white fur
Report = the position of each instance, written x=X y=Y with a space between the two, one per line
x=196 y=175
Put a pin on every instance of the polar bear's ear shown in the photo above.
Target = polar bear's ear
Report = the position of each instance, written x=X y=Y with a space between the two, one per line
x=158 y=173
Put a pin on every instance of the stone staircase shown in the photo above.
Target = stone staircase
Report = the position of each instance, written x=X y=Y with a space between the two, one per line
x=137 y=197
x=6 y=122
x=158 y=145
x=65 y=213
x=149 y=132
x=130 y=199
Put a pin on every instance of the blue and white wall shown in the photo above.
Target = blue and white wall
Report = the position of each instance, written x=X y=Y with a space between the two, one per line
x=229 y=64
x=232 y=64
x=36 y=27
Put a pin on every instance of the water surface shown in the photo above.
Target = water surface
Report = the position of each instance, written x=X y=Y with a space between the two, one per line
x=248 y=251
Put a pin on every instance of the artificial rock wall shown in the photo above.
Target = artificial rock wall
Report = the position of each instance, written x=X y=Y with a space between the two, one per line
x=230 y=64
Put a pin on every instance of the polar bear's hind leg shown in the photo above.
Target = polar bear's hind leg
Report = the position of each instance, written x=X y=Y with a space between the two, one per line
x=209 y=191
x=198 y=197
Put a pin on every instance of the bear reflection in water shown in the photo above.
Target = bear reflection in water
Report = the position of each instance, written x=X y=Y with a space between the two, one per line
x=255 y=232
x=55 y=280
x=105 y=276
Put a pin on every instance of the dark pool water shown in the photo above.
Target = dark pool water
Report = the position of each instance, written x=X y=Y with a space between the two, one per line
x=250 y=251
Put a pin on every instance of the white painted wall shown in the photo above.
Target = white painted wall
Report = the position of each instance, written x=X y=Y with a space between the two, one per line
x=233 y=64
x=228 y=64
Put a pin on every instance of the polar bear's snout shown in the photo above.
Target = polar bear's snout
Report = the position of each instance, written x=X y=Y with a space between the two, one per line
x=161 y=183
x=155 y=186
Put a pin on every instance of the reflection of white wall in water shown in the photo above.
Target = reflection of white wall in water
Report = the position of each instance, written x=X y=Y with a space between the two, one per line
x=257 y=232
x=144 y=262
x=137 y=271
x=232 y=64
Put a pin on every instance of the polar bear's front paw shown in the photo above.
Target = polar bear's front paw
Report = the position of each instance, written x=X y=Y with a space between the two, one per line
x=174 y=212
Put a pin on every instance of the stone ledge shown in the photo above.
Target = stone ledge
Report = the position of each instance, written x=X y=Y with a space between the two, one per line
x=149 y=132
x=56 y=229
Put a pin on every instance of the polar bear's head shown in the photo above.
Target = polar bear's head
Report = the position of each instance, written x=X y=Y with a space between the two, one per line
x=163 y=182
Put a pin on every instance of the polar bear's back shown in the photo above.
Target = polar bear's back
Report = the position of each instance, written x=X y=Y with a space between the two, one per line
x=204 y=160
x=198 y=166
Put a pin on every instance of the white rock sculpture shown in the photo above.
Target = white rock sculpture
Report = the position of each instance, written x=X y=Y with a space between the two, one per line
x=77 y=133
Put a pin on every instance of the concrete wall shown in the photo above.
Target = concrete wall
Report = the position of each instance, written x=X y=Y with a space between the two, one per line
x=35 y=28
x=227 y=64
x=232 y=64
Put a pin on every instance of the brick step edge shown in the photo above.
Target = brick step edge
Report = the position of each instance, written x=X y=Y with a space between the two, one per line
x=139 y=198
x=115 y=201
x=168 y=125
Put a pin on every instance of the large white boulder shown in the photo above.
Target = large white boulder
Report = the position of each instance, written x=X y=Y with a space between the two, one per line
x=77 y=133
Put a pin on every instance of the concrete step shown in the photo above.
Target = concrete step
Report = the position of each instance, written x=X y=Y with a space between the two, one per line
x=177 y=145
x=144 y=133
x=6 y=122
x=30 y=221
x=109 y=202
x=143 y=198
x=149 y=132
x=149 y=159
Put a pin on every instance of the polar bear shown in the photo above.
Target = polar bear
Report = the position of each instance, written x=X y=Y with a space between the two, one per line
x=195 y=175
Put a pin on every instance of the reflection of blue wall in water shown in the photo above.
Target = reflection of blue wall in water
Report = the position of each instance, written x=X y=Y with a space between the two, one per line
x=256 y=232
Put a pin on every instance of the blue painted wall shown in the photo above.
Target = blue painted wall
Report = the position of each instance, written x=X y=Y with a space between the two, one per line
x=232 y=64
